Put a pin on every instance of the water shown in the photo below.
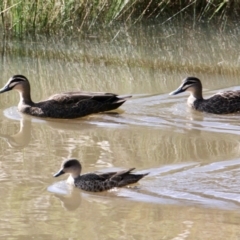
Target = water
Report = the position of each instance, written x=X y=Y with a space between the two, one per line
x=192 y=191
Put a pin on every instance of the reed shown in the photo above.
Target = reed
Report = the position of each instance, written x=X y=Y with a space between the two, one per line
x=59 y=17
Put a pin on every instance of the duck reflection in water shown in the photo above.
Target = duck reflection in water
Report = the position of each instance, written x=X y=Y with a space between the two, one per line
x=72 y=201
x=23 y=137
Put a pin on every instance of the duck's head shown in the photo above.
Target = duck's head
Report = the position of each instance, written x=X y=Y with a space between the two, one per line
x=191 y=84
x=17 y=82
x=71 y=166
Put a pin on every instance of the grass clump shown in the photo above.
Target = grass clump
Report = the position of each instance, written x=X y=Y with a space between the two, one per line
x=58 y=17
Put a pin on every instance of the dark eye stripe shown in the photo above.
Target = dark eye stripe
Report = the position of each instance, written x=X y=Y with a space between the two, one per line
x=19 y=76
x=190 y=81
x=66 y=165
x=186 y=86
x=17 y=80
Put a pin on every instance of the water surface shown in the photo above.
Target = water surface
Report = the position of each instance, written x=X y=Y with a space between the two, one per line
x=192 y=190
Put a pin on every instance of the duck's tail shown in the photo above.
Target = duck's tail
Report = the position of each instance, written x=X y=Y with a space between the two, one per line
x=125 y=178
x=122 y=99
x=117 y=102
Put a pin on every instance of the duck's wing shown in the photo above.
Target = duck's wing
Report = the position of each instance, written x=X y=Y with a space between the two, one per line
x=125 y=178
x=92 y=177
x=221 y=103
x=69 y=98
x=107 y=175
x=120 y=175
x=74 y=97
x=228 y=94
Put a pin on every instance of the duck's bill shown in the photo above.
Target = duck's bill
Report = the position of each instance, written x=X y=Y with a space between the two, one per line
x=5 y=89
x=177 y=91
x=60 y=172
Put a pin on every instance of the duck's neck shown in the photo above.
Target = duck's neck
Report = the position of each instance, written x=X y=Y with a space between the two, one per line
x=196 y=92
x=25 y=98
x=70 y=180
x=194 y=96
x=75 y=175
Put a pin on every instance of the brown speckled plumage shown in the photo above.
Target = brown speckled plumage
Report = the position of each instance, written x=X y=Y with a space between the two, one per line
x=219 y=103
x=94 y=182
x=63 y=105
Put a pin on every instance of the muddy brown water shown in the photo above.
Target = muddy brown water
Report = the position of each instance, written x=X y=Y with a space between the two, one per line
x=192 y=191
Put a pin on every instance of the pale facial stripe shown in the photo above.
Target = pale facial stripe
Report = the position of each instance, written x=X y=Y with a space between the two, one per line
x=188 y=85
x=14 y=82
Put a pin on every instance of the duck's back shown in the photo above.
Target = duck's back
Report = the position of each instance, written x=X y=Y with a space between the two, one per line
x=65 y=97
x=220 y=103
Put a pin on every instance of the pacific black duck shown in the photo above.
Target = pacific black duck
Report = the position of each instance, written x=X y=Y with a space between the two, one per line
x=220 y=103
x=93 y=182
x=62 y=105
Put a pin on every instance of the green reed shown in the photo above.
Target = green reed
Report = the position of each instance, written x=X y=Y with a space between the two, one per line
x=59 y=17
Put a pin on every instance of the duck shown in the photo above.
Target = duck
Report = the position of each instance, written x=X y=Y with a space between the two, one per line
x=93 y=182
x=65 y=105
x=220 y=103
